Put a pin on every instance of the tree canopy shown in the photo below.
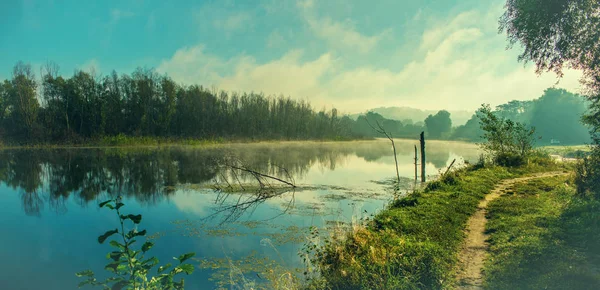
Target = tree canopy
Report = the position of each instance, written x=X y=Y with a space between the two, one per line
x=557 y=34
x=438 y=125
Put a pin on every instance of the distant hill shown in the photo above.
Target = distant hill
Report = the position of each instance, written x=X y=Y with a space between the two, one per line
x=417 y=115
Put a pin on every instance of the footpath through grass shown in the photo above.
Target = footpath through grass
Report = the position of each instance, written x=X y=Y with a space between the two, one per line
x=543 y=236
x=413 y=244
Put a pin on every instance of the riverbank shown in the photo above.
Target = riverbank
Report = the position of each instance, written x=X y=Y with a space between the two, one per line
x=415 y=242
x=128 y=141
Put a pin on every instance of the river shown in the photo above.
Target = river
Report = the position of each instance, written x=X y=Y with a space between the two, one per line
x=50 y=217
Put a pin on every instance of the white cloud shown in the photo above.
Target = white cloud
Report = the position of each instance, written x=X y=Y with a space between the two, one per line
x=233 y=22
x=339 y=35
x=343 y=35
x=460 y=65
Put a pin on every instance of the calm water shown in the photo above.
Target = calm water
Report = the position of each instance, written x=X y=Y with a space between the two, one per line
x=50 y=219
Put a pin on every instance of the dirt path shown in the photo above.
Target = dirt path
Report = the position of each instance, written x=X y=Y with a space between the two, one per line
x=473 y=252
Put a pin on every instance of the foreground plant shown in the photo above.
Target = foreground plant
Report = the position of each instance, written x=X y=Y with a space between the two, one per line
x=129 y=266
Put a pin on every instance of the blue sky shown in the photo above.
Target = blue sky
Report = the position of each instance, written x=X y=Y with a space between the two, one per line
x=351 y=54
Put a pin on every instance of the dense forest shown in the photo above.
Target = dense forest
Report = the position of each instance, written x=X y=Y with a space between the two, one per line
x=55 y=109
x=145 y=103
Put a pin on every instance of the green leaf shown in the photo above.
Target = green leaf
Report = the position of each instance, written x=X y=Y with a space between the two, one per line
x=86 y=273
x=112 y=266
x=102 y=204
x=184 y=257
x=110 y=206
x=117 y=244
x=115 y=255
x=134 y=233
x=135 y=218
x=147 y=246
x=119 y=205
x=103 y=237
x=149 y=263
x=163 y=268
x=187 y=268
x=83 y=283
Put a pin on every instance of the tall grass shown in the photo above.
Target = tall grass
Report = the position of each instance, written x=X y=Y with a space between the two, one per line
x=544 y=236
x=413 y=244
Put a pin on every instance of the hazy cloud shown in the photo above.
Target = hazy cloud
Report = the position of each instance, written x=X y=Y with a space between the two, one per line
x=233 y=22
x=460 y=63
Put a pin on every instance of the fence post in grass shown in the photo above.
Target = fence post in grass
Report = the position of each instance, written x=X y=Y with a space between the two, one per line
x=416 y=160
x=422 y=140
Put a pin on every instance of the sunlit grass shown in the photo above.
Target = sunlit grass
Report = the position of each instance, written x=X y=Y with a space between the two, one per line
x=543 y=236
x=415 y=241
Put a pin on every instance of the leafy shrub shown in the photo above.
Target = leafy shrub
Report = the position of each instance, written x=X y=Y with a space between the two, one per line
x=587 y=174
x=509 y=143
x=509 y=159
x=129 y=266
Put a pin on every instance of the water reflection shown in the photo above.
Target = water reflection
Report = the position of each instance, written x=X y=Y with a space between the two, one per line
x=50 y=177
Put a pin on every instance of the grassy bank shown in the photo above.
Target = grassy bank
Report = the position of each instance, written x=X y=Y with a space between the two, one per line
x=543 y=236
x=141 y=141
x=414 y=242
x=568 y=151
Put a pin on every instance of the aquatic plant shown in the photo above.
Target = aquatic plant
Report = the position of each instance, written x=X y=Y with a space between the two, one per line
x=130 y=267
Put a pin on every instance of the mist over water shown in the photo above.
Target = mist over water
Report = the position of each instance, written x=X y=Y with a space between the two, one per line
x=50 y=198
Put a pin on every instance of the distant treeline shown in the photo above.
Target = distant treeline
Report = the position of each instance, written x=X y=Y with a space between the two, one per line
x=555 y=115
x=55 y=109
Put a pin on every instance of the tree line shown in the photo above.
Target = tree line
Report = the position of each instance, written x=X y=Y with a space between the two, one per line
x=86 y=106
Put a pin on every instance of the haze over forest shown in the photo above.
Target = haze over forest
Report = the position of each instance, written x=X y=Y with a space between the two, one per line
x=277 y=70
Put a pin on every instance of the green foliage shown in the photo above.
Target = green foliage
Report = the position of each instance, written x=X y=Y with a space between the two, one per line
x=508 y=142
x=587 y=177
x=130 y=268
x=438 y=125
x=543 y=236
x=410 y=245
x=148 y=105
x=557 y=115
x=396 y=128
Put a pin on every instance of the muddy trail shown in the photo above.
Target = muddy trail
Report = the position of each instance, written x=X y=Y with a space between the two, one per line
x=473 y=252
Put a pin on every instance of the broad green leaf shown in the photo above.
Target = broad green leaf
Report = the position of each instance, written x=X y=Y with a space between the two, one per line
x=187 y=268
x=112 y=266
x=86 y=273
x=136 y=218
x=147 y=246
x=163 y=268
x=103 y=237
x=102 y=204
x=184 y=257
x=110 y=206
x=117 y=244
x=119 y=205
x=149 y=263
x=83 y=283
x=134 y=233
x=115 y=255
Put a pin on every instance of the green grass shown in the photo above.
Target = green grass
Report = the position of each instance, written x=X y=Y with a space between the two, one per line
x=569 y=151
x=413 y=244
x=543 y=236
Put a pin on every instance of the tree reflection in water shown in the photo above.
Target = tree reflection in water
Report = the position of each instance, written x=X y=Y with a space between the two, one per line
x=150 y=175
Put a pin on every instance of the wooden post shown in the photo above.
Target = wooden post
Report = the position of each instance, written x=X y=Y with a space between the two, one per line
x=423 y=179
x=416 y=159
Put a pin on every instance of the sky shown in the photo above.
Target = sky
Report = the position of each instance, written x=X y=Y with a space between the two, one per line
x=349 y=54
